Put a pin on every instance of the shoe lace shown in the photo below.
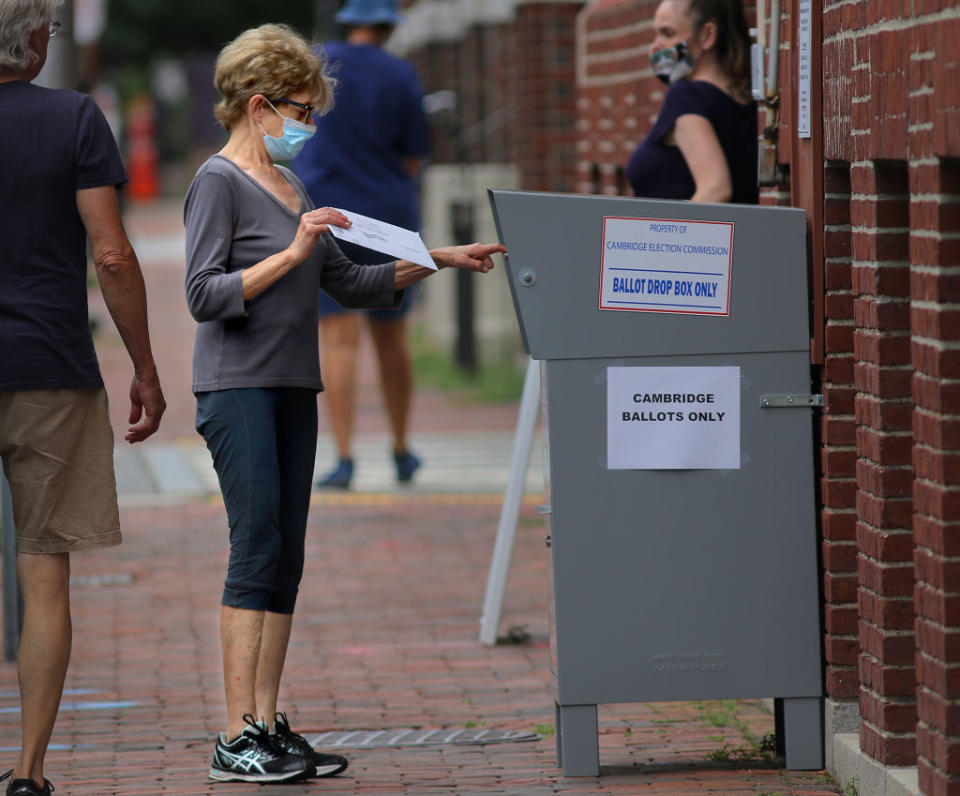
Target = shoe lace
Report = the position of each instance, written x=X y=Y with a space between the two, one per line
x=261 y=737
x=282 y=728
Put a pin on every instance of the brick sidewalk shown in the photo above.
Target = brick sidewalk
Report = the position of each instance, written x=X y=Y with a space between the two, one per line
x=385 y=637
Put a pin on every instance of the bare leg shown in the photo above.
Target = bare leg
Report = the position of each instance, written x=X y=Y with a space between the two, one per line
x=44 y=653
x=240 y=637
x=273 y=653
x=396 y=375
x=340 y=339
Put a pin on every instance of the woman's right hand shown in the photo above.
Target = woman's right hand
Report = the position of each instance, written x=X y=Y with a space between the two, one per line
x=312 y=226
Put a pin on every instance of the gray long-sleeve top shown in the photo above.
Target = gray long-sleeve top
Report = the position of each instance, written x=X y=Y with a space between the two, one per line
x=233 y=222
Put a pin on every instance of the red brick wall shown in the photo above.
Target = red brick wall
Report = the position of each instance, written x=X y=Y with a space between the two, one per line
x=889 y=437
x=516 y=99
x=837 y=441
x=935 y=288
x=886 y=113
x=881 y=288
x=617 y=95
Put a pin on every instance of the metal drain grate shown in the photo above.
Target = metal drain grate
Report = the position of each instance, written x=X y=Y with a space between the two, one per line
x=374 y=739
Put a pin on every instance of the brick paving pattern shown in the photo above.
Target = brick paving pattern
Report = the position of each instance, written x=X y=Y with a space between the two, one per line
x=385 y=634
x=385 y=637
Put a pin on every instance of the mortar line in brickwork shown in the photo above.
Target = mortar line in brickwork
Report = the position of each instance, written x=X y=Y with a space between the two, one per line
x=923 y=268
x=936 y=198
x=880 y=563
x=869 y=164
x=946 y=560
x=936 y=305
x=882 y=230
x=881 y=299
x=841 y=4
x=613 y=33
x=892 y=700
x=886 y=632
x=619 y=55
x=877 y=197
x=889 y=733
x=892 y=25
x=935 y=234
x=940 y=345
x=937 y=484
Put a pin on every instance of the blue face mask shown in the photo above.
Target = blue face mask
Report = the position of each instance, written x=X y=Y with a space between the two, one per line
x=288 y=145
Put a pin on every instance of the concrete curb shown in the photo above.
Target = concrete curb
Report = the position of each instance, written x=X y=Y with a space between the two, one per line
x=846 y=762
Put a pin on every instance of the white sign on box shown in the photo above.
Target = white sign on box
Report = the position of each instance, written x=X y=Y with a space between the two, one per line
x=666 y=265
x=662 y=418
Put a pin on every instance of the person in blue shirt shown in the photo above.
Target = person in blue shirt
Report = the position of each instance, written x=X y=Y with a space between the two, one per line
x=365 y=157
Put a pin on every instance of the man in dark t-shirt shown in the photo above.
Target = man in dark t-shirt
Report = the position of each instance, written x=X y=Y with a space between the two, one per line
x=59 y=174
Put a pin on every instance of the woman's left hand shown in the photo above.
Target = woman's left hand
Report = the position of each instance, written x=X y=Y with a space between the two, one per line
x=472 y=257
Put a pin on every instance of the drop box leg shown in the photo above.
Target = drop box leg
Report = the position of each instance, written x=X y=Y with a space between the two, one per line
x=578 y=744
x=557 y=718
x=803 y=733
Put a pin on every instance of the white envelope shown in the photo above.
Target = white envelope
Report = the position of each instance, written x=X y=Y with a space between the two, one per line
x=383 y=237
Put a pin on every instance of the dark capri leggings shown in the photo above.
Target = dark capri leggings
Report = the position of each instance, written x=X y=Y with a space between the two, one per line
x=263 y=443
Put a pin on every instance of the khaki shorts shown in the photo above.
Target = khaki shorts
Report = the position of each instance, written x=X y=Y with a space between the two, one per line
x=57 y=450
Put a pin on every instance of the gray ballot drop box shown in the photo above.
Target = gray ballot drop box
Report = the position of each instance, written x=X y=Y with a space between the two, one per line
x=673 y=584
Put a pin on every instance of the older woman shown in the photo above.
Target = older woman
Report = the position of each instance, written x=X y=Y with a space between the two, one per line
x=256 y=252
x=703 y=145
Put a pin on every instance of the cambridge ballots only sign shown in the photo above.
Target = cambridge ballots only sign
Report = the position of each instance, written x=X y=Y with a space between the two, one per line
x=673 y=418
x=666 y=265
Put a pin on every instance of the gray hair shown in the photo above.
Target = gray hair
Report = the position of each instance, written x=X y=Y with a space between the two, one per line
x=18 y=19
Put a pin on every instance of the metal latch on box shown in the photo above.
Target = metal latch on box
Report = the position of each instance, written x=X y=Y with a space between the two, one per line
x=790 y=401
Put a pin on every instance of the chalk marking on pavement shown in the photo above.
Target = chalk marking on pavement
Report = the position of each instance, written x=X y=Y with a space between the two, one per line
x=398 y=736
x=67 y=692
x=54 y=747
x=384 y=739
x=68 y=706
x=346 y=737
x=372 y=738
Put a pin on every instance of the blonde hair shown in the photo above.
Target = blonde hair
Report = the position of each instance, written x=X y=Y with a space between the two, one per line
x=18 y=20
x=272 y=60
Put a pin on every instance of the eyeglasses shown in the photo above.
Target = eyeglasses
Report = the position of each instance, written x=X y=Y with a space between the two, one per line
x=307 y=109
x=55 y=27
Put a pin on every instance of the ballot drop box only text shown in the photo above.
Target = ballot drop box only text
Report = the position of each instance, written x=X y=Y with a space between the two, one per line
x=674 y=346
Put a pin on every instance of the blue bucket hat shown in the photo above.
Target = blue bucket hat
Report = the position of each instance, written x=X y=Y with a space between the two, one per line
x=368 y=12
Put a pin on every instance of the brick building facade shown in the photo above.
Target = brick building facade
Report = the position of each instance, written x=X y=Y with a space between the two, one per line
x=880 y=180
x=510 y=66
x=879 y=177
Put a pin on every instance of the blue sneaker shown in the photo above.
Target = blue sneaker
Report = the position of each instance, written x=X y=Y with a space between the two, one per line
x=339 y=477
x=407 y=464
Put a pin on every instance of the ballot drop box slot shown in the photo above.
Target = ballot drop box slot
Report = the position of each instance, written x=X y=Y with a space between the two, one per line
x=683 y=553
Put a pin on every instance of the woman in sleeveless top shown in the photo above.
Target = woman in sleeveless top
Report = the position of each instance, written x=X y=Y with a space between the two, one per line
x=703 y=145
